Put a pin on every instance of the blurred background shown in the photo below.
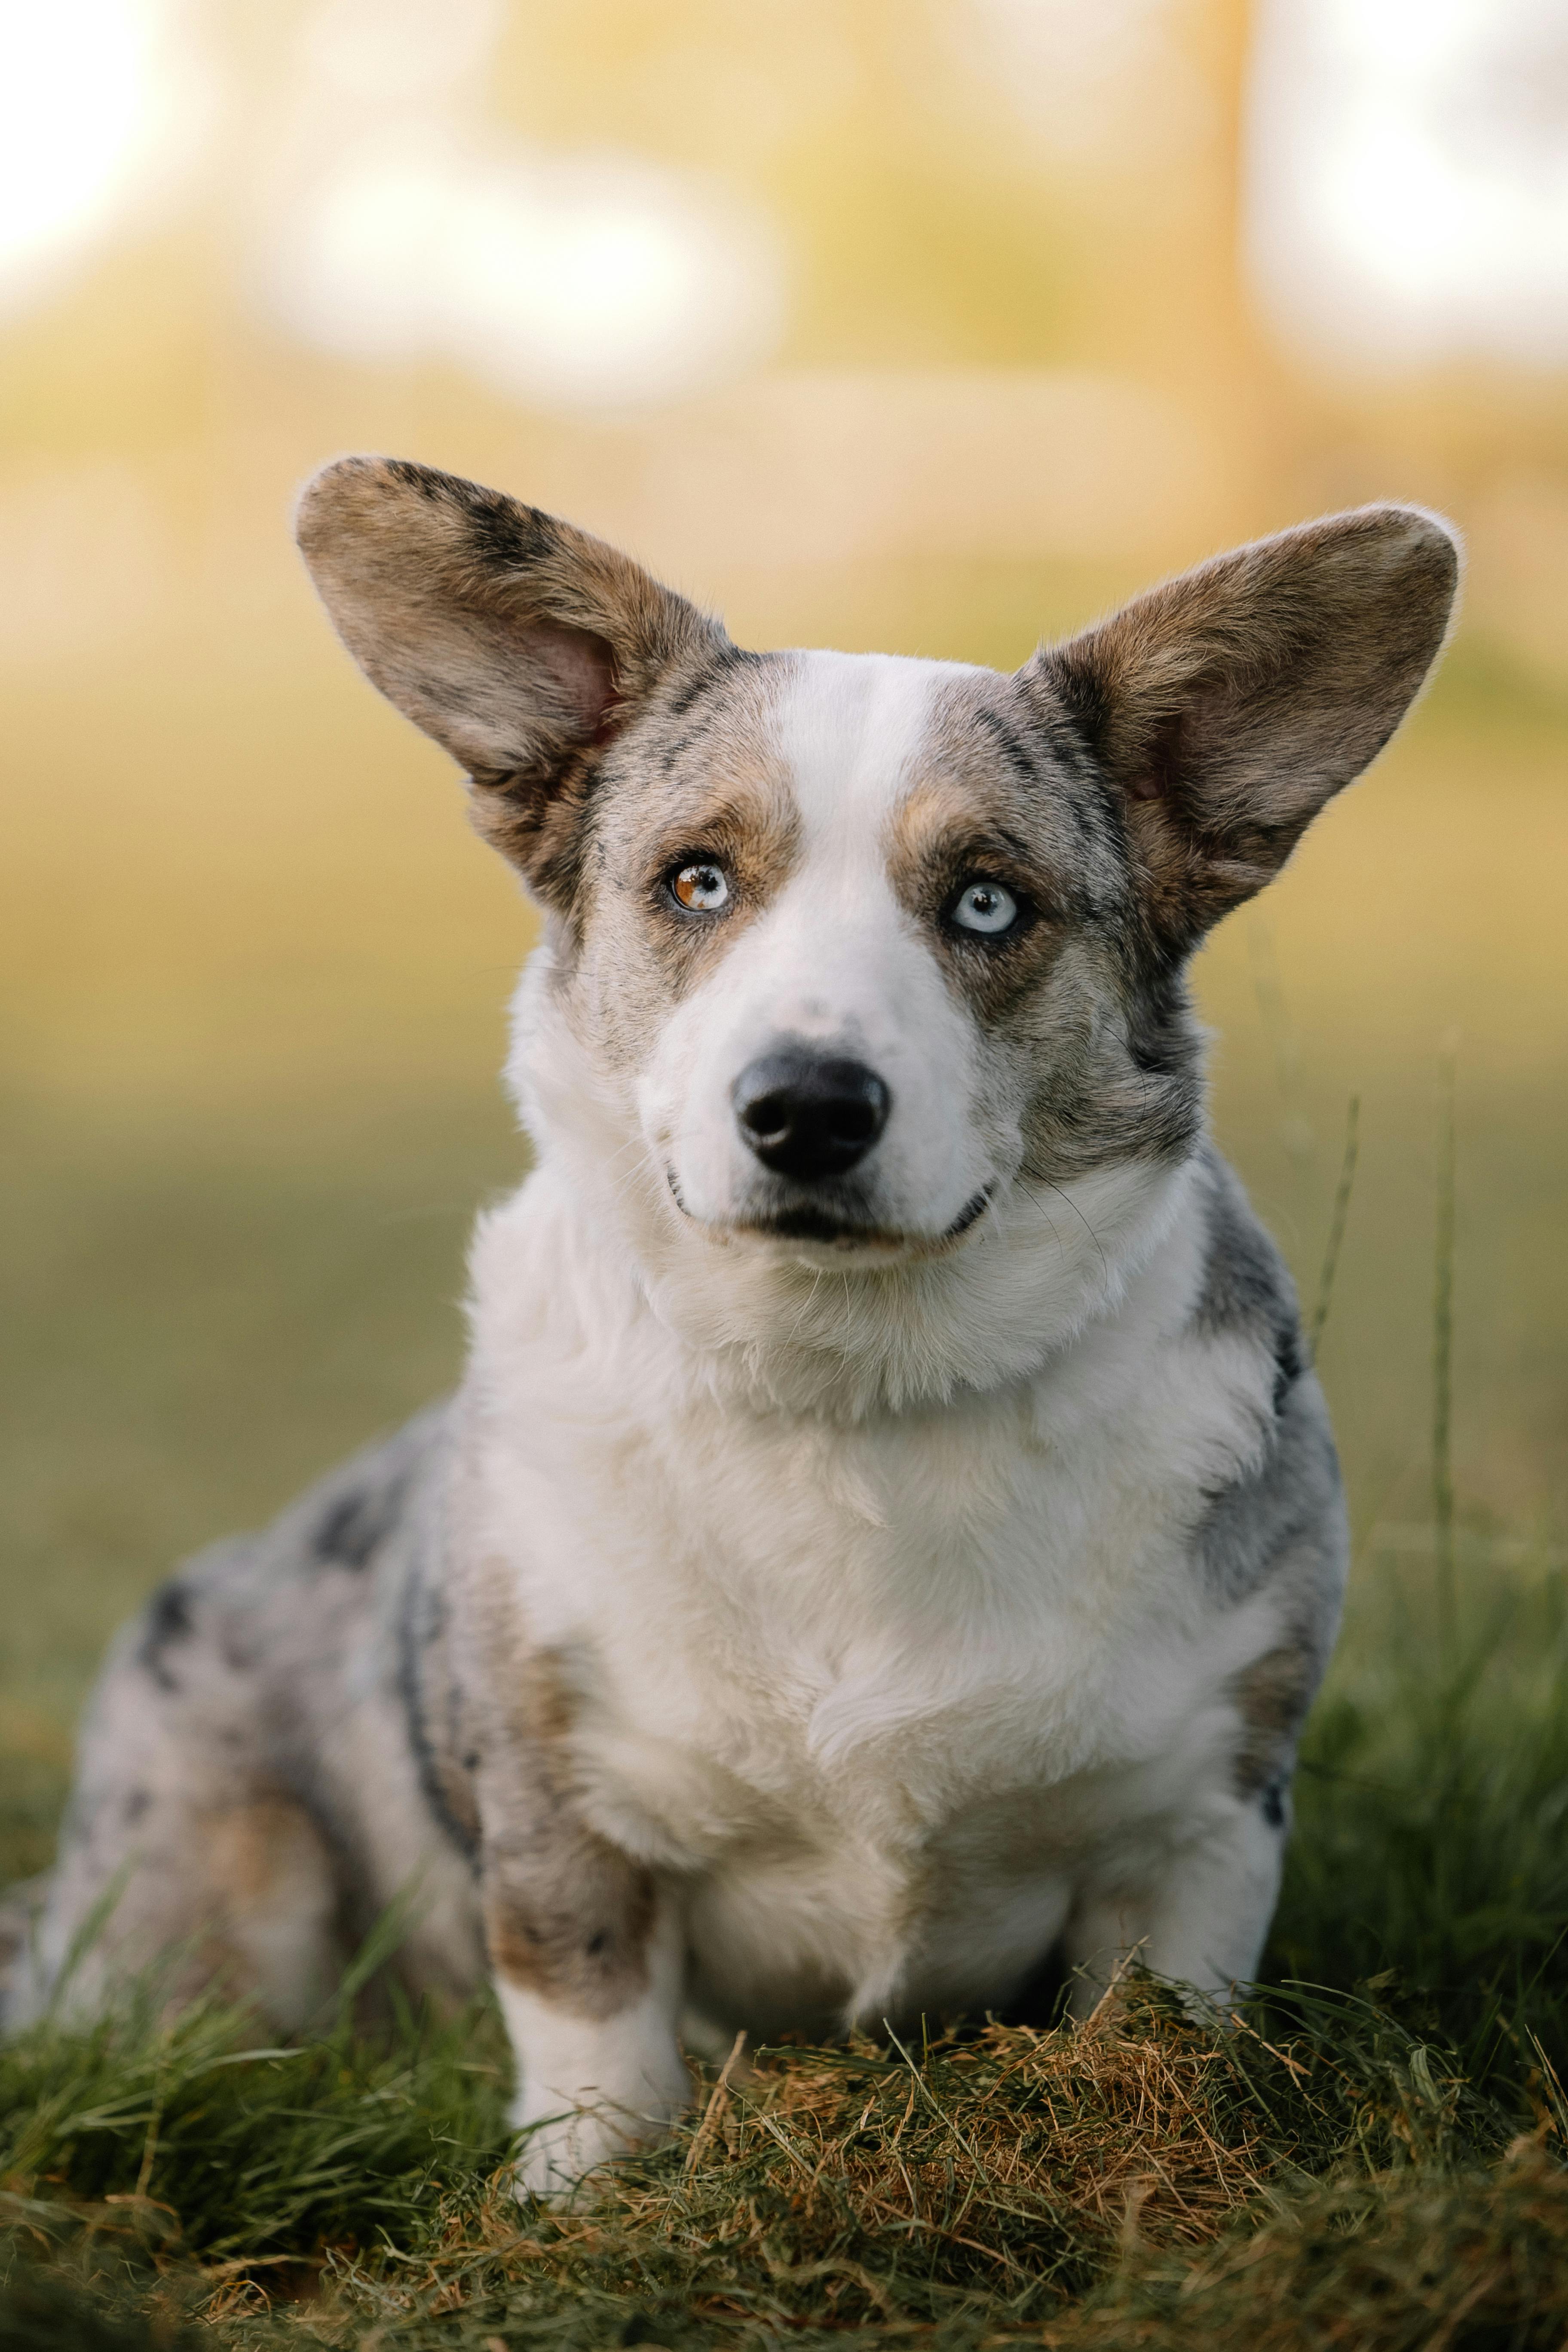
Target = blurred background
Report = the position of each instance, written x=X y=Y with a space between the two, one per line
x=929 y=325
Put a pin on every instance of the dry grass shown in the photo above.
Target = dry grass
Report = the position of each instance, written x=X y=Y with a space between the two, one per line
x=972 y=2190
x=1009 y=2166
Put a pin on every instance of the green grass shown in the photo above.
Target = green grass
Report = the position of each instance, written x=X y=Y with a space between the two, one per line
x=1432 y=1817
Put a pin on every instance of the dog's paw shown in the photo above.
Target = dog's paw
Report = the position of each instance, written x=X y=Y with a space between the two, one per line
x=565 y=2143
x=560 y=2151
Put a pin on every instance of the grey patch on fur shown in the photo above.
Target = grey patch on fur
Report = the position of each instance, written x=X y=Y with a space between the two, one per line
x=1266 y=1517
x=355 y=1525
x=1292 y=1503
x=718 y=663
x=1283 y=1522
x=320 y=1754
x=436 y=1716
x=166 y=1627
x=246 y=1759
x=502 y=533
x=1245 y=1278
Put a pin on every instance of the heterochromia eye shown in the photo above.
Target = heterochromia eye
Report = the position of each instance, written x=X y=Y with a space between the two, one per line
x=701 y=888
x=986 y=907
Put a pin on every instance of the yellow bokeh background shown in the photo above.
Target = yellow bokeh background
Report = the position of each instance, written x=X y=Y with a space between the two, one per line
x=994 y=332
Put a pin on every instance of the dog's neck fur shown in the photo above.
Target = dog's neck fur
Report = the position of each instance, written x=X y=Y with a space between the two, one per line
x=756 y=1325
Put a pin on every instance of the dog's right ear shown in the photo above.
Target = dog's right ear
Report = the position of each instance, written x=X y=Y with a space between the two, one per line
x=521 y=644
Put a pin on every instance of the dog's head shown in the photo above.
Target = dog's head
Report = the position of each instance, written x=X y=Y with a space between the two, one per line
x=858 y=961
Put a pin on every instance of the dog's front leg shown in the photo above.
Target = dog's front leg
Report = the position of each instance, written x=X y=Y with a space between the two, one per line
x=1199 y=1917
x=587 y=1957
x=586 y=1946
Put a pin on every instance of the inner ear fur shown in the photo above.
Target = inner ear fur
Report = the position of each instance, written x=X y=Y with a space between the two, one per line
x=520 y=643
x=1227 y=705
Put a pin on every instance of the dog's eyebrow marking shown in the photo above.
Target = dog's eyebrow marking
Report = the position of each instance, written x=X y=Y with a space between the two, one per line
x=1049 y=803
x=716 y=672
x=1011 y=747
x=1043 y=774
x=722 y=659
x=704 y=723
x=1014 y=843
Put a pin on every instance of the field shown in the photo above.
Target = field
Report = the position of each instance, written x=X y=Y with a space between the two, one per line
x=247 y=1114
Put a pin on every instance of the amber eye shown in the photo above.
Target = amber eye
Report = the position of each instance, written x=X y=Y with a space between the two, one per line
x=985 y=906
x=701 y=888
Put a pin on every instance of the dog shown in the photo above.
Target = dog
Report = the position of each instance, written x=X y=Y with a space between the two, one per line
x=890 y=1530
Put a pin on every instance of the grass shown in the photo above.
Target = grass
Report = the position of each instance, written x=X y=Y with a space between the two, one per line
x=1374 y=2158
x=987 y=2187
x=1432 y=1806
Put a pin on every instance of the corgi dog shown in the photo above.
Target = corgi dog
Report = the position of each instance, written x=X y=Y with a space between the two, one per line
x=888 y=1531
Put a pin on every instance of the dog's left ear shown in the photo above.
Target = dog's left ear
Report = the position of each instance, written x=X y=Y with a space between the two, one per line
x=522 y=645
x=1227 y=705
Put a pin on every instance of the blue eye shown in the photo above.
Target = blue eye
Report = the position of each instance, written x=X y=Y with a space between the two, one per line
x=985 y=908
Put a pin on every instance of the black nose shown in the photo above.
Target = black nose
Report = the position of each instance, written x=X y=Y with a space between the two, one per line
x=807 y=1117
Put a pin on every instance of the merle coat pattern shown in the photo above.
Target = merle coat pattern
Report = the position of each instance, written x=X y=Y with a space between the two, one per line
x=888 y=1531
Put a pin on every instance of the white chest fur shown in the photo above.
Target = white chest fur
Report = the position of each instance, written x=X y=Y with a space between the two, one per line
x=879 y=1694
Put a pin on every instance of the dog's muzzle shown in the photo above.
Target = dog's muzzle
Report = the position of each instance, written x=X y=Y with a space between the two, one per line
x=808 y=1117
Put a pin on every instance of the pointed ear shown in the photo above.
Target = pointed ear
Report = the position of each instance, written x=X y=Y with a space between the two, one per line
x=1226 y=706
x=521 y=644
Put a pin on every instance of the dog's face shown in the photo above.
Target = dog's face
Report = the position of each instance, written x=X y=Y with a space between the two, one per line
x=855 y=959
x=849 y=940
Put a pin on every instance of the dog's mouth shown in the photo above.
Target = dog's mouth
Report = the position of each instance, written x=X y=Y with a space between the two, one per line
x=837 y=1225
